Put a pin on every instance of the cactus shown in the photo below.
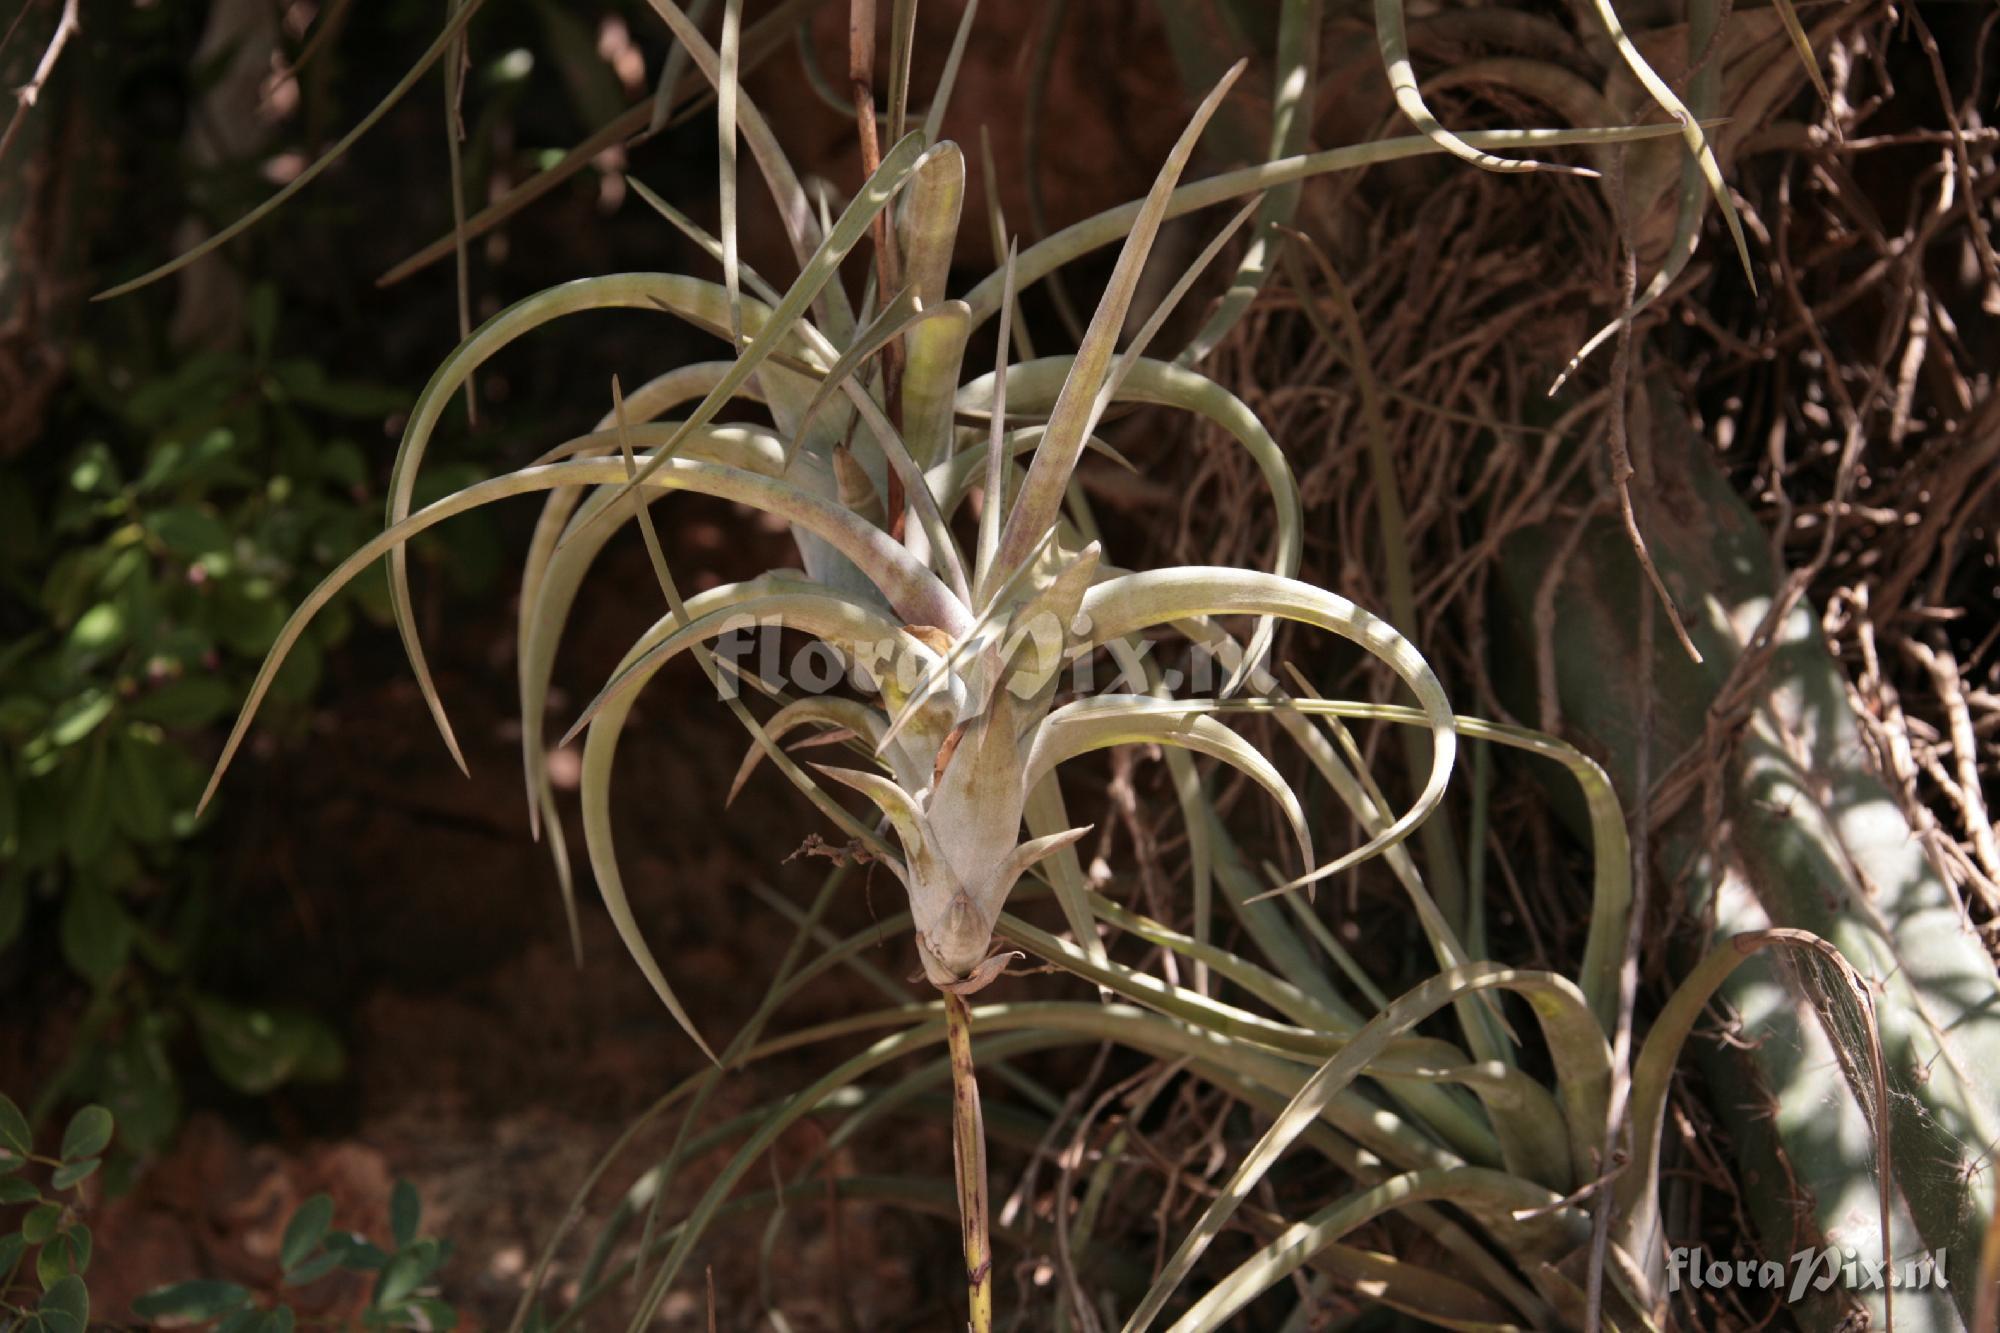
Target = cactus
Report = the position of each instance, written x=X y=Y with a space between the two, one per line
x=1809 y=839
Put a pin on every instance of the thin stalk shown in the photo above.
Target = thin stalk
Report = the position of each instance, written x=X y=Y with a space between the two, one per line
x=455 y=64
x=968 y=1141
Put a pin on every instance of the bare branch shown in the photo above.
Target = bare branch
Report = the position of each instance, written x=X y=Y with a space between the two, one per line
x=27 y=93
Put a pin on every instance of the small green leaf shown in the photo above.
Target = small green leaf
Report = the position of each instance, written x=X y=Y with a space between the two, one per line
x=96 y=933
x=403 y=1275
x=166 y=459
x=77 y=716
x=306 y=1230
x=195 y=1302
x=64 y=1307
x=94 y=472
x=313 y=1269
x=56 y=1261
x=40 y=1223
x=80 y=1245
x=15 y=1140
x=71 y=1174
x=12 y=1246
x=405 y=1211
x=99 y=629
x=14 y=1189
x=188 y=532
x=89 y=1133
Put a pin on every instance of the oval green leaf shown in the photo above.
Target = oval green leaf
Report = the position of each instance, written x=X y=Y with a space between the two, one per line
x=71 y=1174
x=305 y=1231
x=89 y=1133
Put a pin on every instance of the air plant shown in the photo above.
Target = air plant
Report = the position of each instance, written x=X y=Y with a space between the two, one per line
x=947 y=555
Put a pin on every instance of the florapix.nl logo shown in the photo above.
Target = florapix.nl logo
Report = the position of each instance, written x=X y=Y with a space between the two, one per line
x=914 y=661
x=1807 y=1271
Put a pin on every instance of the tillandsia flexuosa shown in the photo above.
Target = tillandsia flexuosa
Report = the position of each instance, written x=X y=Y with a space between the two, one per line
x=965 y=654
x=947 y=556
x=907 y=600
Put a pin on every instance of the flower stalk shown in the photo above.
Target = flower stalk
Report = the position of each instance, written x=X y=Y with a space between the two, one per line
x=968 y=1143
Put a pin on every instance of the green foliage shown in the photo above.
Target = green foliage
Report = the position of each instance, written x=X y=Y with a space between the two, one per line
x=45 y=1247
x=143 y=572
x=404 y=1294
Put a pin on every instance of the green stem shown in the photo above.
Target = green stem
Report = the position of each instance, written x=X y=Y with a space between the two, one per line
x=968 y=1141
